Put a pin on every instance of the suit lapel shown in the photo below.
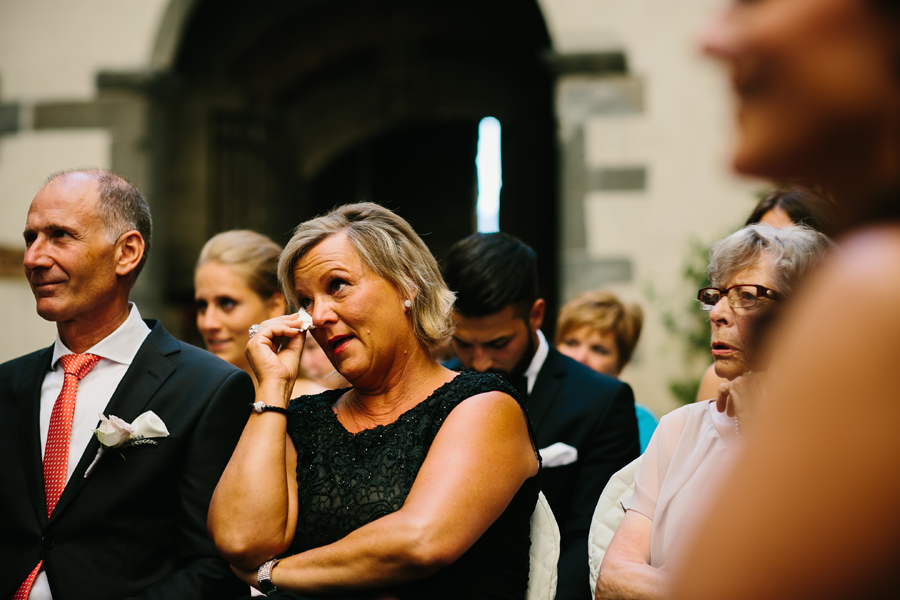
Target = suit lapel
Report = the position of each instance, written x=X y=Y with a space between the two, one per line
x=546 y=386
x=148 y=371
x=28 y=399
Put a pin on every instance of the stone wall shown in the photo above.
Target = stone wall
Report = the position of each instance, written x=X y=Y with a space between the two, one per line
x=643 y=137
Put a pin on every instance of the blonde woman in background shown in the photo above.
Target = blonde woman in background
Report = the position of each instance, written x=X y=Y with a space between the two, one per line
x=599 y=331
x=235 y=286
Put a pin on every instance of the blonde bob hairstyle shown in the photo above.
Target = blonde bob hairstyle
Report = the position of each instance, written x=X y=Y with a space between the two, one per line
x=602 y=311
x=389 y=247
x=249 y=254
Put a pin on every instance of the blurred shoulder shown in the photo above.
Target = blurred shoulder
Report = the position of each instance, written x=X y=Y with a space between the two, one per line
x=837 y=342
x=859 y=285
x=870 y=258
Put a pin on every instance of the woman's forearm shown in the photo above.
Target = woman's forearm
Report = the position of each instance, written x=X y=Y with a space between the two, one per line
x=250 y=512
x=388 y=551
x=619 y=580
x=626 y=573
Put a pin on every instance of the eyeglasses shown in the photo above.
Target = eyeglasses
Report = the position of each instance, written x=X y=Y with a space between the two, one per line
x=739 y=296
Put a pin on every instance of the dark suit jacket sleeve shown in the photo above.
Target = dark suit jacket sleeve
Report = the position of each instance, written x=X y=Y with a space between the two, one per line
x=137 y=526
x=612 y=444
x=200 y=572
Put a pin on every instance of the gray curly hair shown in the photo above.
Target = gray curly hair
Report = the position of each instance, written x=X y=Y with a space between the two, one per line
x=793 y=251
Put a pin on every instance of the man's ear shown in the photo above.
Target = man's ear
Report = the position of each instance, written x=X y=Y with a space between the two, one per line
x=536 y=314
x=276 y=305
x=129 y=252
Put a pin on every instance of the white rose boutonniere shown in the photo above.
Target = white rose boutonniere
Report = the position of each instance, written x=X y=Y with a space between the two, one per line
x=117 y=433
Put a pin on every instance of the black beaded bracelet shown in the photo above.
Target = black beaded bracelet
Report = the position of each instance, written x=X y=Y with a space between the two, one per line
x=261 y=407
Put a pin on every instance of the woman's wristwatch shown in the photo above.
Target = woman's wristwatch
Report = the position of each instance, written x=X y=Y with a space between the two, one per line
x=264 y=577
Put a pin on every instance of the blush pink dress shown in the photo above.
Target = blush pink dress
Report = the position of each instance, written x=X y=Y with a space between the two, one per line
x=680 y=470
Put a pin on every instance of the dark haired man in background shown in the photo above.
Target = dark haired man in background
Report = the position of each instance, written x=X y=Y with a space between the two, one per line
x=584 y=422
x=132 y=525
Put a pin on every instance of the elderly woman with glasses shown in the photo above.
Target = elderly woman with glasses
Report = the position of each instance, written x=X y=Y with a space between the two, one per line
x=751 y=272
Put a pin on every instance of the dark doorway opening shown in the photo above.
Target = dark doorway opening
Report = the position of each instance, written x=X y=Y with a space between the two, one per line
x=285 y=108
x=423 y=171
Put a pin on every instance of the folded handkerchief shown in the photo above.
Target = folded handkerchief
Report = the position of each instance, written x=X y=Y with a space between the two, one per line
x=558 y=454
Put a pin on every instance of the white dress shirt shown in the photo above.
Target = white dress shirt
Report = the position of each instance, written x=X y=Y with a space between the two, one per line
x=116 y=351
x=558 y=454
x=537 y=360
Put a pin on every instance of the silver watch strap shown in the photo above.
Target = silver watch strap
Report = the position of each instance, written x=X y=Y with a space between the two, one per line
x=264 y=577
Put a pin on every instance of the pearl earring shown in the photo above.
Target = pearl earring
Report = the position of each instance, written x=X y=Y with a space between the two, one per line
x=407 y=304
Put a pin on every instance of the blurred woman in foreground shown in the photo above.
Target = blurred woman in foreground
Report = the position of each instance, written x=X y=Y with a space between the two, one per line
x=810 y=509
x=417 y=482
x=235 y=286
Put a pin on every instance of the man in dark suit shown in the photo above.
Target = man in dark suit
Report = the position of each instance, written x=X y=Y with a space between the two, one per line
x=132 y=525
x=584 y=422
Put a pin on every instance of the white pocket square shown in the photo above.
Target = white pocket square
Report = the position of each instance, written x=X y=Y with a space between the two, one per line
x=558 y=454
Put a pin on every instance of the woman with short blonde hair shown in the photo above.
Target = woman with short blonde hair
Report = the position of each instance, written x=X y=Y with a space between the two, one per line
x=602 y=312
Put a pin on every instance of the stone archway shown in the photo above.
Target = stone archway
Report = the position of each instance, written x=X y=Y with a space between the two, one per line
x=277 y=110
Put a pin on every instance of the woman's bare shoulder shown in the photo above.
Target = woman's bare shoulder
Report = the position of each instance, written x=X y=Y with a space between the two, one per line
x=490 y=401
x=487 y=414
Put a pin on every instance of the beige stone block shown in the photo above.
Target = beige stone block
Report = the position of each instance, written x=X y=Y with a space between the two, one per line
x=619 y=140
x=23 y=330
x=53 y=49
x=27 y=158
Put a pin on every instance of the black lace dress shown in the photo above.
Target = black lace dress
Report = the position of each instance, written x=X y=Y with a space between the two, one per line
x=346 y=480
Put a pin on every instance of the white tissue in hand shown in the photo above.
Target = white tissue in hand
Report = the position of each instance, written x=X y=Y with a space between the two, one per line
x=307 y=320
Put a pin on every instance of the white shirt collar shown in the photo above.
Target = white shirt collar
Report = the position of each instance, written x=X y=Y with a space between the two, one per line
x=537 y=361
x=120 y=346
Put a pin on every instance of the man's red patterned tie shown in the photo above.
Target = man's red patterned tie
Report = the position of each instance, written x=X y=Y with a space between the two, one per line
x=56 y=452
